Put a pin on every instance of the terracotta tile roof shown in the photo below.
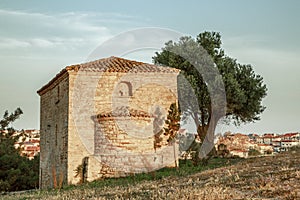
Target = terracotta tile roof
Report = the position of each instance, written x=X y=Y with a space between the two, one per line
x=279 y=136
x=35 y=140
x=29 y=148
x=116 y=64
x=290 y=134
x=30 y=130
x=268 y=136
x=112 y=64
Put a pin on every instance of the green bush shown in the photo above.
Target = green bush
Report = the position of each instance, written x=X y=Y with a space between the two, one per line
x=16 y=172
x=295 y=148
x=254 y=152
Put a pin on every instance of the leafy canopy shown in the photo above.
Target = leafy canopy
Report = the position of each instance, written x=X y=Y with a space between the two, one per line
x=16 y=172
x=244 y=88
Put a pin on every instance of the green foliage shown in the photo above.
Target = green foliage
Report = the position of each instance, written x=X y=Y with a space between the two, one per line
x=244 y=89
x=16 y=172
x=172 y=122
x=222 y=150
x=254 y=152
x=79 y=172
x=9 y=118
x=295 y=148
x=194 y=150
x=186 y=167
x=157 y=127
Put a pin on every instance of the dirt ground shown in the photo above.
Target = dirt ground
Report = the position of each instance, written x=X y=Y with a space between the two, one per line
x=272 y=177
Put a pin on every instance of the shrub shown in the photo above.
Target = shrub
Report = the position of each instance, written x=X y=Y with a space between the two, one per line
x=254 y=152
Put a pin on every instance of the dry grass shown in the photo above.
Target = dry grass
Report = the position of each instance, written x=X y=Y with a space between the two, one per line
x=273 y=177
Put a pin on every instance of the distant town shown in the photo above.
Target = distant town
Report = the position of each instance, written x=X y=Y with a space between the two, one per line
x=237 y=144
x=28 y=142
x=246 y=145
x=243 y=145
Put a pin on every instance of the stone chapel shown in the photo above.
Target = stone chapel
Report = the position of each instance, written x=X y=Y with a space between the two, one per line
x=97 y=120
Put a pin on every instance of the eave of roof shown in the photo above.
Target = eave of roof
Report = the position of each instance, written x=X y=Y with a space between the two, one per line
x=123 y=111
x=111 y=64
x=61 y=74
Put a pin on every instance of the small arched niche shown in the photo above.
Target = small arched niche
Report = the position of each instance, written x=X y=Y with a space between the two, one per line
x=124 y=89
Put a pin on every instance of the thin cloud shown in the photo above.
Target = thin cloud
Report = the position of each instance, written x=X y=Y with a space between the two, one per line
x=21 y=29
x=11 y=43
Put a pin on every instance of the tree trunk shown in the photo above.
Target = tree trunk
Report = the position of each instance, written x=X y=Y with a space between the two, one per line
x=206 y=134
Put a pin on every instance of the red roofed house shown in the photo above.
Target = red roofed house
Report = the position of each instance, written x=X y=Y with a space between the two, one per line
x=237 y=144
x=285 y=144
x=291 y=136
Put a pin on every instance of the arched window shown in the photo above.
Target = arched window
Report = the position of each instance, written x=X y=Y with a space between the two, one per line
x=124 y=89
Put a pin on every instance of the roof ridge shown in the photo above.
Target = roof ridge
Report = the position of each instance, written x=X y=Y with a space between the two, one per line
x=112 y=64
x=112 y=58
x=117 y=64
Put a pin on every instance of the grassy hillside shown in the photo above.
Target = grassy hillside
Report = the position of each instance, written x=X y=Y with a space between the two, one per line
x=273 y=177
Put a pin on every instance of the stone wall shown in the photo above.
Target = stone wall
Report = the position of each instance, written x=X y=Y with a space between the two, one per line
x=53 y=132
x=81 y=126
x=119 y=151
x=70 y=133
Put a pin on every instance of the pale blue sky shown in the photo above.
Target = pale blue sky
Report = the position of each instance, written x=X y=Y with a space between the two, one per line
x=37 y=39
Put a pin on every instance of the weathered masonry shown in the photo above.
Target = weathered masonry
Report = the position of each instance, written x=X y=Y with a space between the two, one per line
x=97 y=120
